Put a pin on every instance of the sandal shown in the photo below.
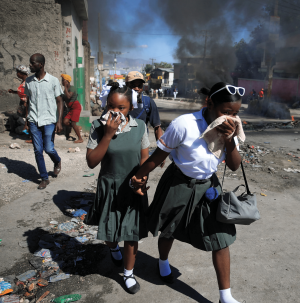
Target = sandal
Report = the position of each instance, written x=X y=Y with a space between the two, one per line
x=118 y=263
x=135 y=288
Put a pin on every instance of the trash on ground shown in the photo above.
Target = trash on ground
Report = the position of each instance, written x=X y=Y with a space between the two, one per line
x=59 y=277
x=43 y=296
x=82 y=239
x=15 y=145
x=43 y=253
x=42 y=282
x=10 y=299
x=290 y=170
x=53 y=222
x=67 y=298
x=67 y=226
x=262 y=194
x=88 y=175
x=26 y=181
x=5 y=288
x=26 y=275
x=79 y=213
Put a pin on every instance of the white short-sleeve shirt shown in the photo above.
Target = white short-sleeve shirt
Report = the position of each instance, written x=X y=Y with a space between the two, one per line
x=190 y=154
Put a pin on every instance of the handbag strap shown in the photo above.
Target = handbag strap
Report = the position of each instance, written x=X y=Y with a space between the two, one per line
x=244 y=175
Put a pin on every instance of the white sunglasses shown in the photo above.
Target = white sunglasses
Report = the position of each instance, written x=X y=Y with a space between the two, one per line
x=232 y=90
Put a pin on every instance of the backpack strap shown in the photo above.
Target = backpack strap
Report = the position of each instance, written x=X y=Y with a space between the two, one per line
x=146 y=103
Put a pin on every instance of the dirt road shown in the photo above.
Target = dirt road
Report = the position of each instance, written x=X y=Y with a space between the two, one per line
x=265 y=265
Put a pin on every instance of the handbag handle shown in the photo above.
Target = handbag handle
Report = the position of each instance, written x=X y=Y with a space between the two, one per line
x=244 y=175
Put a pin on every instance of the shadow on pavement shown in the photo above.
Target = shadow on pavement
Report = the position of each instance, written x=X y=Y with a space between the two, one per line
x=70 y=256
x=22 y=169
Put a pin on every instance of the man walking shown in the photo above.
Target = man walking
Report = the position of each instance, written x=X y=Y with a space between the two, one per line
x=44 y=101
x=147 y=109
x=175 y=92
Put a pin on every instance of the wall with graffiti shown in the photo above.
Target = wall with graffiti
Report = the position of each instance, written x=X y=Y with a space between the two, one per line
x=28 y=27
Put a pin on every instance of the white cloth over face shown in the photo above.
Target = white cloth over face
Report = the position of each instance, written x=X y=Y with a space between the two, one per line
x=214 y=139
x=106 y=90
x=190 y=154
x=115 y=115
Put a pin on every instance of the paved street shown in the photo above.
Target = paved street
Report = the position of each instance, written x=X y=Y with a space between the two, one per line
x=265 y=266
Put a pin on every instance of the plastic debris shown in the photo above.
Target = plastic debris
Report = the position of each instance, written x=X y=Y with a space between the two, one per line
x=262 y=194
x=25 y=131
x=10 y=299
x=46 y=273
x=67 y=298
x=77 y=149
x=15 y=145
x=59 y=277
x=43 y=253
x=42 y=282
x=79 y=213
x=53 y=222
x=26 y=181
x=290 y=170
x=26 y=275
x=88 y=175
x=36 y=262
x=67 y=226
x=5 y=288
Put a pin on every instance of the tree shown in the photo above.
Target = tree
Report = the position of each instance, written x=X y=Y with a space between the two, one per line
x=148 y=68
x=163 y=65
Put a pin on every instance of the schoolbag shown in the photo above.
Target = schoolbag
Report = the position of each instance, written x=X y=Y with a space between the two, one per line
x=146 y=105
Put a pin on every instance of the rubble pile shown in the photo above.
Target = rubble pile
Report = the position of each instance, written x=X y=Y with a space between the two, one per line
x=260 y=127
x=253 y=156
x=62 y=251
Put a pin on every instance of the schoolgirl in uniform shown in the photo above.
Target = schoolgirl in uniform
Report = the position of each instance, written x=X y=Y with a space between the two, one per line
x=118 y=211
x=179 y=209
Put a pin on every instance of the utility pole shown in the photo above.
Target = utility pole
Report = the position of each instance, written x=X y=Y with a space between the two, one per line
x=152 y=61
x=271 y=47
x=205 y=45
x=100 y=55
x=115 y=60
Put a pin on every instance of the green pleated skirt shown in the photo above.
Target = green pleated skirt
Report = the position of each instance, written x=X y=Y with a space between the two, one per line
x=180 y=210
x=118 y=211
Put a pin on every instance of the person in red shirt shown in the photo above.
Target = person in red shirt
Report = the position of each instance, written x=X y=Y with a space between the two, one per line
x=261 y=94
x=22 y=73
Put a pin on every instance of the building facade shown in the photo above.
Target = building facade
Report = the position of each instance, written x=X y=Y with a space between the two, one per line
x=53 y=28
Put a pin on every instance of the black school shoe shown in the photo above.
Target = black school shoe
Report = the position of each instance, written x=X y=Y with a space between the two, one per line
x=118 y=263
x=167 y=279
x=133 y=289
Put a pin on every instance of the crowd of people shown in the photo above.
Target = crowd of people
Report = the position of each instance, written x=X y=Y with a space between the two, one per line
x=119 y=142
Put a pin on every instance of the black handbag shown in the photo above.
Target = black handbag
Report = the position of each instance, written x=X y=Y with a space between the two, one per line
x=241 y=209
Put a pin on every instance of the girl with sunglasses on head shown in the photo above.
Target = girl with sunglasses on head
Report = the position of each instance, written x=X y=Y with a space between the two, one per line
x=184 y=207
x=120 y=143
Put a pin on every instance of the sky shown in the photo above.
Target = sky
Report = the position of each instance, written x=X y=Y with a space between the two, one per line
x=135 y=28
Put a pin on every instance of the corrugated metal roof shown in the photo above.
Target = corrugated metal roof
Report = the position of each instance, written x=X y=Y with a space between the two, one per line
x=169 y=70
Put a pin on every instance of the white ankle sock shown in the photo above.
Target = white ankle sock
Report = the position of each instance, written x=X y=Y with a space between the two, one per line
x=226 y=297
x=129 y=282
x=164 y=267
x=116 y=254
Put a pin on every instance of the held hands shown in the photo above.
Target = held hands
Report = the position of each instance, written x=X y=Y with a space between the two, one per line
x=139 y=186
x=112 y=125
x=58 y=127
x=227 y=129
